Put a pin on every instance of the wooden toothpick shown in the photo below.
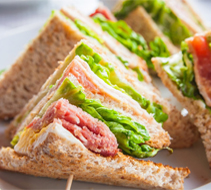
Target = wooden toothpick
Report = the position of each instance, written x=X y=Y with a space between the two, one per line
x=69 y=182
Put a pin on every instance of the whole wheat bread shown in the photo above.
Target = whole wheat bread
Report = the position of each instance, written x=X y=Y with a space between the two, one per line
x=57 y=154
x=37 y=62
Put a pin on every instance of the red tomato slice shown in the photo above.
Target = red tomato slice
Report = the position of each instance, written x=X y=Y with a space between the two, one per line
x=200 y=46
x=202 y=66
x=105 y=12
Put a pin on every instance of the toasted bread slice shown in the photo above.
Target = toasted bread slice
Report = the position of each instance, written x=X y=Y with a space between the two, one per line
x=181 y=128
x=196 y=108
x=56 y=153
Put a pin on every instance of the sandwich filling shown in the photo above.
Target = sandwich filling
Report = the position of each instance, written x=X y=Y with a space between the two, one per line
x=107 y=73
x=190 y=69
x=131 y=136
x=155 y=109
x=89 y=32
x=163 y=16
x=94 y=134
x=131 y=40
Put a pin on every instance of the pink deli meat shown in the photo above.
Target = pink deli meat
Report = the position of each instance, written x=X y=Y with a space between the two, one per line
x=94 y=134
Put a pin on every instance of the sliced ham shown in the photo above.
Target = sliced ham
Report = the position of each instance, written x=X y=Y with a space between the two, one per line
x=200 y=49
x=94 y=134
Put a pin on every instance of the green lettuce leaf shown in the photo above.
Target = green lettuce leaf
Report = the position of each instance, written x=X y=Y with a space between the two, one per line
x=88 y=31
x=158 y=48
x=133 y=41
x=16 y=138
x=180 y=69
x=166 y=20
x=107 y=73
x=129 y=134
x=127 y=131
x=139 y=73
x=124 y=62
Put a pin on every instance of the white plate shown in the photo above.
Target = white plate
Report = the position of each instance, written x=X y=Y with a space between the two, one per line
x=194 y=157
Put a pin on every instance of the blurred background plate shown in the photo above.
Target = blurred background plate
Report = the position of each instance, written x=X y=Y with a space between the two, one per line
x=20 y=2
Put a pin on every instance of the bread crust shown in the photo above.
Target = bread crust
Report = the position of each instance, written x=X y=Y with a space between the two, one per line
x=36 y=63
x=180 y=6
x=181 y=128
x=56 y=156
x=196 y=108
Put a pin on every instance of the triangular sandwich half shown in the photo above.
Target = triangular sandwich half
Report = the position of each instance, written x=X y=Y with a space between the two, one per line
x=85 y=124
x=172 y=20
x=187 y=75
x=182 y=131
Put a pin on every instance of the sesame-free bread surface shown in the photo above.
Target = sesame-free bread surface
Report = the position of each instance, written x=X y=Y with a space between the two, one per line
x=56 y=153
x=36 y=63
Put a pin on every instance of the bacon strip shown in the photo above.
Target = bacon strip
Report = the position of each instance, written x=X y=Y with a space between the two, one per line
x=94 y=134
